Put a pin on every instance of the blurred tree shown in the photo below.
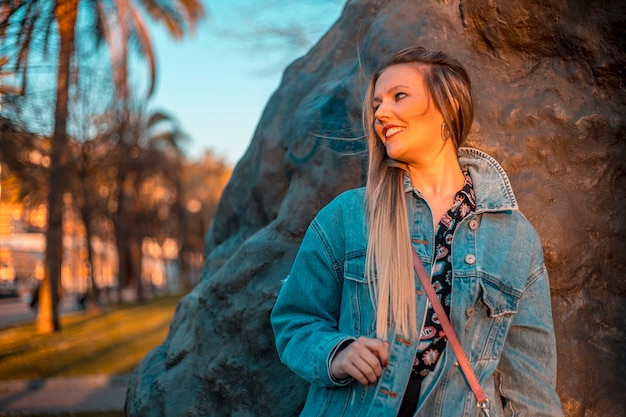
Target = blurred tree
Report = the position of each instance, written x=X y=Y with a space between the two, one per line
x=116 y=23
x=90 y=186
x=24 y=157
x=163 y=197
x=145 y=187
x=271 y=37
x=6 y=89
x=202 y=183
x=138 y=186
x=87 y=189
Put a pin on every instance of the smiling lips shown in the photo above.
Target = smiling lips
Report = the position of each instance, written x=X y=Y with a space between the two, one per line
x=389 y=131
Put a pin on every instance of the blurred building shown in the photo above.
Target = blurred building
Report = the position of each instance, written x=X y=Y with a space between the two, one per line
x=21 y=249
x=22 y=256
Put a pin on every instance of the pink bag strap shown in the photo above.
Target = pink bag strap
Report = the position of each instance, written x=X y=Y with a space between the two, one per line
x=482 y=401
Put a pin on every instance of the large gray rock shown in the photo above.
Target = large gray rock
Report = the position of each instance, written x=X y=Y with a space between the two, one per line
x=549 y=82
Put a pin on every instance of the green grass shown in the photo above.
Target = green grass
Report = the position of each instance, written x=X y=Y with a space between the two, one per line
x=111 y=343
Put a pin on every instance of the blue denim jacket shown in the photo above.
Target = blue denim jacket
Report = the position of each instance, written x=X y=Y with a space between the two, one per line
x=500 y=308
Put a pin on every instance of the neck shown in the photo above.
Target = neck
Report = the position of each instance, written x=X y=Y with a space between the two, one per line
x=441 y=179
x=438 y=183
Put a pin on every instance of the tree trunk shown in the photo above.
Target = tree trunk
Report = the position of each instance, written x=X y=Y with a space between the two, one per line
x=86 y=208
x=135 y=264
x=123 y=238
x=184 y=250
x=93 y=291
x=119 y=217
x=66 y=12
x=121 y=241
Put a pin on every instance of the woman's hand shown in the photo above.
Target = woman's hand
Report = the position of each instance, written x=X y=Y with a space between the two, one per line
x=362 y=360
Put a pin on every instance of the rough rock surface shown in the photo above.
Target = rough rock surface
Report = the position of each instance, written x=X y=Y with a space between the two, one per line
x=548 y=79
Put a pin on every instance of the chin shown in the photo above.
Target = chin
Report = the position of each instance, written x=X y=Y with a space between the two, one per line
x=395 y=154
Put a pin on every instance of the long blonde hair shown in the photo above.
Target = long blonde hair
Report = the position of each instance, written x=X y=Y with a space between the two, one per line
x=389 y=265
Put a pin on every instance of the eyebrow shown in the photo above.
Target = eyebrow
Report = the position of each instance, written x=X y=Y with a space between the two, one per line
x=391 y=90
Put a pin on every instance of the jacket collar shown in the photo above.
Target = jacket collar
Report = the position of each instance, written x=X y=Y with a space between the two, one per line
x=491 y=185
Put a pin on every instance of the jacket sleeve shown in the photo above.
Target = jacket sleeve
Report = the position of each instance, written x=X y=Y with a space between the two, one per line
x=526 y=375
x=306 y=313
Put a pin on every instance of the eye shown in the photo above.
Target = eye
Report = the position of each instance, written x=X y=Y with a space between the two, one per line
x=400 y=96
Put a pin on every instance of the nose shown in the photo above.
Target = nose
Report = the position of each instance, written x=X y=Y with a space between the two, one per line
x=381 y=113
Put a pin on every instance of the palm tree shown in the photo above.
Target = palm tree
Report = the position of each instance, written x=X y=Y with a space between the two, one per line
x=154 y=161
x=116 y=24
x=150 y=140
x=91 y=174
x=202 y=183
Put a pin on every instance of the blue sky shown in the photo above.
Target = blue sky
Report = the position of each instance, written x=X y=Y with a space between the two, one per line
x=217 y=83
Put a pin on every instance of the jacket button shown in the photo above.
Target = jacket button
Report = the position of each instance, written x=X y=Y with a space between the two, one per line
x=469 y=312
x=473 y=224
x=389 y=393
x=470 y=259
x=419 y=292
x=456 y=364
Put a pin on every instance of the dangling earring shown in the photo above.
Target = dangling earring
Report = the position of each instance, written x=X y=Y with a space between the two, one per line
x=445 y=132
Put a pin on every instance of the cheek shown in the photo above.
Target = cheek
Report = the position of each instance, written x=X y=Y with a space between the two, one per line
x=378 y=129
x=427 y=123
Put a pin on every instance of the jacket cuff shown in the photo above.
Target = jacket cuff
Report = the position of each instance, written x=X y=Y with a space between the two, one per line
x=340 y=345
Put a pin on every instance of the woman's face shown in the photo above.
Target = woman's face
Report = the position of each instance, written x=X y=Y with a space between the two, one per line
x=406 y=120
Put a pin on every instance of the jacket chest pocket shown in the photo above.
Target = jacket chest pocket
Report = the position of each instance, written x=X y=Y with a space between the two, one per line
x=357 y=315
x=488 y=321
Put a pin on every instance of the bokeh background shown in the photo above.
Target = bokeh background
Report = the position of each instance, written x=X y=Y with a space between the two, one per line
x=162 y=101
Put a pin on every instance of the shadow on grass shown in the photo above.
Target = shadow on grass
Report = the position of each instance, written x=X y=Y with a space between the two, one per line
x=111 y=343
x=108 y=351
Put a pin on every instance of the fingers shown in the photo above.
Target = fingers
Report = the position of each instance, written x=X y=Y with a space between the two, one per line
x=363 y=360
x=382 y=352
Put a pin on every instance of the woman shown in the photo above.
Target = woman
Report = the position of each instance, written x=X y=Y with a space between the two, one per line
x=352 y=317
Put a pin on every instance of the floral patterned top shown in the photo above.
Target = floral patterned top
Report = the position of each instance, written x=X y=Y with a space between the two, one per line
x=432 y=339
